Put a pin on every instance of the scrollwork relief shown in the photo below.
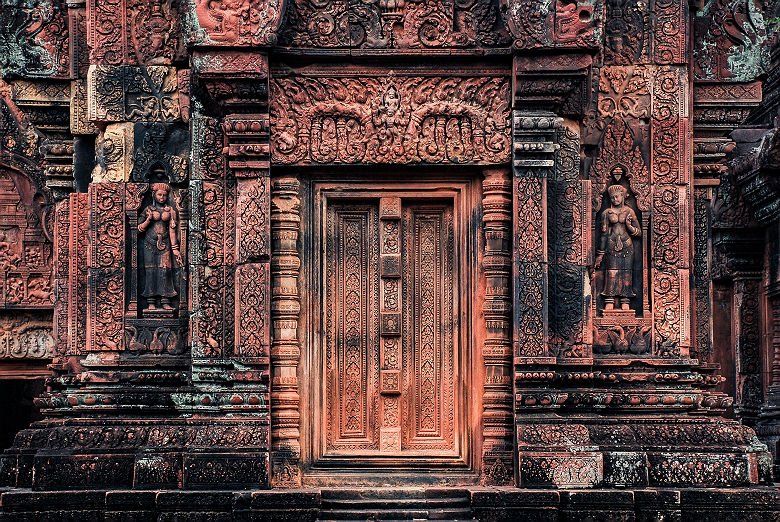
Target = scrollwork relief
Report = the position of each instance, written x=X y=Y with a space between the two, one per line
x=387 y=120
x=398 y=24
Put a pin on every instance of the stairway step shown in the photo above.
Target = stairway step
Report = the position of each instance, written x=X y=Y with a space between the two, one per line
x=395 y=503
x=450 y=514
x=376 y=514
x=373 y=493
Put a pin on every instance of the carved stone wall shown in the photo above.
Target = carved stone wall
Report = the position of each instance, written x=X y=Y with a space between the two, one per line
x=309 y=243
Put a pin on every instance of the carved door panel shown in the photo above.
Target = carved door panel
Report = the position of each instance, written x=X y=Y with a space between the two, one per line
x=390 y=328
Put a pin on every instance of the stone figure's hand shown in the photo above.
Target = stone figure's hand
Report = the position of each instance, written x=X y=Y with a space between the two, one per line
x=177 y=257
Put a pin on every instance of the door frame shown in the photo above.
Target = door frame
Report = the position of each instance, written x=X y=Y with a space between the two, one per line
x=464 y=187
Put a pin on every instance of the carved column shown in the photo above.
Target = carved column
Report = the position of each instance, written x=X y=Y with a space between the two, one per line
x=746 y=332
x=497 y=417
x=285 y=347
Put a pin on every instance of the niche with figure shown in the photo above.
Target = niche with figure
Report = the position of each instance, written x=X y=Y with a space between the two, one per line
x=159 y=253
x=621 y=200
x=619 y=245
x=156 y=320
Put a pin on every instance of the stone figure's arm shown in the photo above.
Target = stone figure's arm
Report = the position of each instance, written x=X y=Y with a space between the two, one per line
x=632 y=224
x=603 y=240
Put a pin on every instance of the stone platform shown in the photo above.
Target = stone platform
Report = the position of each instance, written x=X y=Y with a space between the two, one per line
x=472 y=503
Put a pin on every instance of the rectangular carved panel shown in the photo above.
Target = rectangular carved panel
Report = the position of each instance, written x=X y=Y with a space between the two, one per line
x=390 y=343
x=389 y=119
x=352 y=329
x=429 y=250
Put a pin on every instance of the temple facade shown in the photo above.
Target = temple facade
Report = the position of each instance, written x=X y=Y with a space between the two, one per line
x=488 y=259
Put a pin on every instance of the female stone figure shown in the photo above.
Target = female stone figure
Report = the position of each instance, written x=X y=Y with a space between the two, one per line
x=619 y=225
x=160 y=249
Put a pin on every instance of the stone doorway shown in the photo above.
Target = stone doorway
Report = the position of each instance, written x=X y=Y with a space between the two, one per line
x=391 y=354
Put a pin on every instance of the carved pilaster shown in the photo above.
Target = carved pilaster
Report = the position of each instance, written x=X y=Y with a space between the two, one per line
x=497 y=419
x=747 y=347
x=534 y=149
x=285 y=348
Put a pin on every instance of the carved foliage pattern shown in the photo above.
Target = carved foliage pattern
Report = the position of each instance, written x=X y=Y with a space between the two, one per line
x=567 y=219
x=394 y=24
x=748 y=349
x=34 y=39
x=254 y=224
x=670 y=22
x=106 y=277
x=669 y=126
x=530 y=276
x=60 y=274
x=252 y=329
x=701 y=275
x=351 y=325
x=208 y=141
x=429 y=334
x=391 y=120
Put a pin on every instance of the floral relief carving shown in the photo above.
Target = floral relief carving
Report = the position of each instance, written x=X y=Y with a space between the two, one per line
x=396 y=119
x=394 y=24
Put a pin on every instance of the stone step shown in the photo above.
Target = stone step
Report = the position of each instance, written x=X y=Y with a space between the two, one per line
x=373 y=514
x=395 y=503
x=369 y=493
x=467 y=518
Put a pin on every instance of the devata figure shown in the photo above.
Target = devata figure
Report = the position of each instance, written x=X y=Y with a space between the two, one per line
x=160 y=249
x=616 y=252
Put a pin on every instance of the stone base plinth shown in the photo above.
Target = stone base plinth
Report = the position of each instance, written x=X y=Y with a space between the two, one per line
x=489 y=504
x=678 y=451
x=185 y=453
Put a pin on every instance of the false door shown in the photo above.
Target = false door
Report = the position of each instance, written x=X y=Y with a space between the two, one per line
x=390 y=323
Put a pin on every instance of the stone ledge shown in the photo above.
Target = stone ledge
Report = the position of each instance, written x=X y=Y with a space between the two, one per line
x=755 y=504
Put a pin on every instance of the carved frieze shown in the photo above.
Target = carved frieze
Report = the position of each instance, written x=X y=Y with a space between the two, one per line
x=398 y=24
x=233 y=23
x=25 y=243
x=26 y=336
x=128 y=93
x=396 y=118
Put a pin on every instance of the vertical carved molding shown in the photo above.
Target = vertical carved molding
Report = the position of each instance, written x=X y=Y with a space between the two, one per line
x=568 y=234
x=774 y=380
x=285 y=347
x=497 y=399
x=391 y=341
x=747 y=347
x=534 y=149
